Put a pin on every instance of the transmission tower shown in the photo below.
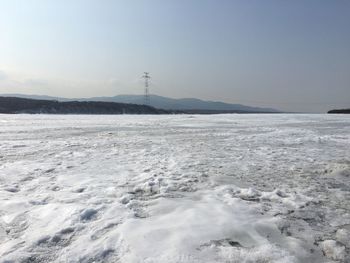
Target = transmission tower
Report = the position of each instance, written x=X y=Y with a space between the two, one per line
x=146 y=76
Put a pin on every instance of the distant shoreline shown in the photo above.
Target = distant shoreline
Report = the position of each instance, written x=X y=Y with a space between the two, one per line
x=14 y=105
x=17 y=105
x=339 y=111
x=189 y=105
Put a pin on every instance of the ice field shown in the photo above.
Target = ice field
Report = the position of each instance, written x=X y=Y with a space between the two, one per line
x=175 y=188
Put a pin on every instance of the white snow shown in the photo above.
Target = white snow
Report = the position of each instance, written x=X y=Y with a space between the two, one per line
x=175 y=188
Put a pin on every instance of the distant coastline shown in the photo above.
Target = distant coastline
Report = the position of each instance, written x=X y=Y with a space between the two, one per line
x=14 y=105
x=17 y=105
x=339 y=111
x=184 y=105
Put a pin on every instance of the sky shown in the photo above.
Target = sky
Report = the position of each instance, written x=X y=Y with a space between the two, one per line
x=293 y=55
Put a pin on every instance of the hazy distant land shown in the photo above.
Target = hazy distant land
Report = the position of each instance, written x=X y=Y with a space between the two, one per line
x=20 y=105
x=342 y=111
x=128 y=104
x=187 y=105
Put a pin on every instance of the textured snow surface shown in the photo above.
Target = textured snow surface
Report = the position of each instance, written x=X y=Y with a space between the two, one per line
x=181 y=188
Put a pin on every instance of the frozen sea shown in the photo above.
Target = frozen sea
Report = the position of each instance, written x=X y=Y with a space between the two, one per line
x=175 y=188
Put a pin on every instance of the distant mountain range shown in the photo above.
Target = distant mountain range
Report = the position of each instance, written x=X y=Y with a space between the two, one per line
x=189 y=105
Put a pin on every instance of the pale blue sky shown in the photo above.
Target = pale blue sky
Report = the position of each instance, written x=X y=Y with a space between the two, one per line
x=289 y=54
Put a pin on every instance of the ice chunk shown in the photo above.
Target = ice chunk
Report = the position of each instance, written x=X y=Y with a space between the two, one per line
x=343 y=236
x=333 y=249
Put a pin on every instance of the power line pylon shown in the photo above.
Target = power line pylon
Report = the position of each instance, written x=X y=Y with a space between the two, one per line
x=147 y=77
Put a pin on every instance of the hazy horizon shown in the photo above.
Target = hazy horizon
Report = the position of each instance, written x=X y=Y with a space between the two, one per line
x=289 y=55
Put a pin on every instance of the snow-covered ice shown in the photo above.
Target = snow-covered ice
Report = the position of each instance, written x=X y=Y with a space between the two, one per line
x=175 y=188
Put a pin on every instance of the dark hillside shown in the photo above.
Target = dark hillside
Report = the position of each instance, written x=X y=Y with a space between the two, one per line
x=341 y=111
x=21 y=105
